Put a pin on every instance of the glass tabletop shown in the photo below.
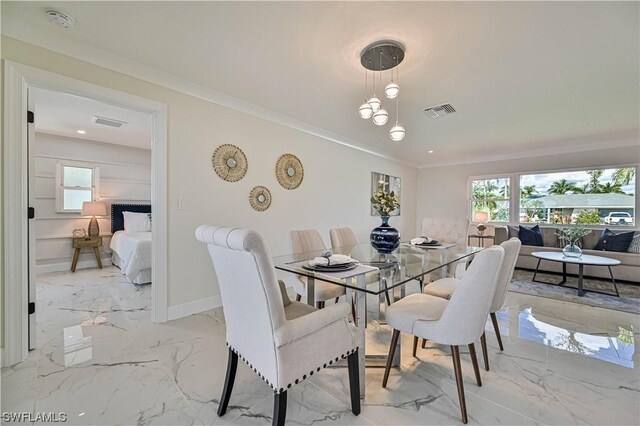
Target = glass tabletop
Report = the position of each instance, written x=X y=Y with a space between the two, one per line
x=406 y=263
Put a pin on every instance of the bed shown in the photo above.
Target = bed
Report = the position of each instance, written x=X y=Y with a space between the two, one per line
x=131 y=251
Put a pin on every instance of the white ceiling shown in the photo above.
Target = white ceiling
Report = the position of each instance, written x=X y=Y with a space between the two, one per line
x=63 y=114
x=525 y=77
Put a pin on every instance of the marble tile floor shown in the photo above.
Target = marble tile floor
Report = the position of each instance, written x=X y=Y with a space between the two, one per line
x=101 y=361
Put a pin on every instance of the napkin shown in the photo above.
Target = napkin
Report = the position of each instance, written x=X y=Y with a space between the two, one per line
x=421 y=240
x=334 y=259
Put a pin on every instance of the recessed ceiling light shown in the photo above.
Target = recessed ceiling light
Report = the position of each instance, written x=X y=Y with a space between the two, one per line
x=81 y=132
x=430 y=151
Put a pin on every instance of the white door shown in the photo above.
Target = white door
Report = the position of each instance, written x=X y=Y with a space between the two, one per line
x=31 y=230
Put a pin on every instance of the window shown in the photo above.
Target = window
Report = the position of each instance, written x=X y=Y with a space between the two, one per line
x=75 y=184
x=594 y=197
x=491 y=195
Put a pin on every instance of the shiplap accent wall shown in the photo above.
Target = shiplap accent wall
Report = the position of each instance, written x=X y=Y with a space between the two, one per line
x=125 y=176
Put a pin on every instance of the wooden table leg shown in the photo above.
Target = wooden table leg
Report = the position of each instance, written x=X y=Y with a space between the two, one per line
x=76 y=255
x=96 y=250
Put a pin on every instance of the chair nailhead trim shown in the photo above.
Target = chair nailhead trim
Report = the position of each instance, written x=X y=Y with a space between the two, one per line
x=304 y=377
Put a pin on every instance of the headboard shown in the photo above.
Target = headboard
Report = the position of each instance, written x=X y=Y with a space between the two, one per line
x=117 y=218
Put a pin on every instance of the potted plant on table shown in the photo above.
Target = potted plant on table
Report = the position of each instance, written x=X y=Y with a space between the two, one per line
x=571 y=235
x=385 y=238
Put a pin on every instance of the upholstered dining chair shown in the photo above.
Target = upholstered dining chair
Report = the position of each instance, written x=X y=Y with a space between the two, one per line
x=342 y=237
x=284 y=342
x=457 y=321
x=449 y=231
x=445 y=287
x=305 y=241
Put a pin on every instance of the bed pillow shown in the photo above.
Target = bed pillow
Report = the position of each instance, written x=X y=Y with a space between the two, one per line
x=610 y=241
x=531 y=236
x=137 y=222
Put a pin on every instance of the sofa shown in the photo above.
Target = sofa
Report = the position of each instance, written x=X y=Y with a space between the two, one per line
x=628 y=270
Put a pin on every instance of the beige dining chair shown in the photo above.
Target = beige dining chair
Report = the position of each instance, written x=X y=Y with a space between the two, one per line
x=284 y=342
x=306 y=241
x=446 y=287
x=342 y=238
x=454 y=322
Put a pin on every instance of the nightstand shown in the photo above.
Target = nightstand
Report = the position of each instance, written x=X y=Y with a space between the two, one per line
x=86 y=242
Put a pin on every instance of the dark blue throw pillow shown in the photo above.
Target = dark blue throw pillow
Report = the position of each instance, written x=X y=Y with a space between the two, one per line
x=610 y=241
x=531 y=236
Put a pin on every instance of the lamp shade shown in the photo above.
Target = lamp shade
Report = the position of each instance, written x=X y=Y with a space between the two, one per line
x=396 y=133
x=374 y=103
x=94 y=208
x=481 y=217
x=365 y=111
x=380 y=117
x=392 y=90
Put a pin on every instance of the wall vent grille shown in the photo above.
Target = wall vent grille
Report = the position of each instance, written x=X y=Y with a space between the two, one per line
x=439 y=110
x=108 y=121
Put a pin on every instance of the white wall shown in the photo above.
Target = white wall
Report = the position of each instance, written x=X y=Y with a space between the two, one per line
x=125 y=176
x=335 y=191
x=443 y=191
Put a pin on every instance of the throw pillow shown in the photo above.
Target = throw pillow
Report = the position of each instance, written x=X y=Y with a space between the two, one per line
x=531 y=236
x=610 y=241
x=513 y=231
x=634 y=247
x=137 y=222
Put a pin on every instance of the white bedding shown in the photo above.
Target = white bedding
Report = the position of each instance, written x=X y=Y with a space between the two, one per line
x=132 y=250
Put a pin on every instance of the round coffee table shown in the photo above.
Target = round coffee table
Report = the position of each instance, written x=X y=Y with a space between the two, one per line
x=586 y=259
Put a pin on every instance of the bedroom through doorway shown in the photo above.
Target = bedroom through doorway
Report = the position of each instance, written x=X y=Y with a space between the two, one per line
x=90 y=185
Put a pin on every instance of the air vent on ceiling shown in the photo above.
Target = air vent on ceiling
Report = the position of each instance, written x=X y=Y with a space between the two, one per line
x=108 y=121
x=439 y=110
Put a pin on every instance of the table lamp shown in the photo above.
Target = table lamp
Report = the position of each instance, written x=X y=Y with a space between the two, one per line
x=94 y=208
x=481 y=218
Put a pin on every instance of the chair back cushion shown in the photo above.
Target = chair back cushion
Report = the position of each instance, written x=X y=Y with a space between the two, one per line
x=306 y=240
x=251 y=299
x=446 y=230
x=342 y=237
x=466 y=314
x=511 y=251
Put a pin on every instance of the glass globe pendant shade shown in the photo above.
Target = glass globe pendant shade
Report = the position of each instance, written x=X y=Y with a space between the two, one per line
x=397 y=133
x=392 y=90
x=380 y=117
x=365 y=111
x=375 y=104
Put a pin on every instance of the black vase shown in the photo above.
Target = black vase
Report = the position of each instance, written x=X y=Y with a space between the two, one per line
x=385 y=238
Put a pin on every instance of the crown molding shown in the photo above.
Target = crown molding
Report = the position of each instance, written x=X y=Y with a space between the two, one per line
x=558 y=150
x=61 y=44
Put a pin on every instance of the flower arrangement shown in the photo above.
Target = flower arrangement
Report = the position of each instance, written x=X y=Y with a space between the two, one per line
x=573 y=233
x=384 y=201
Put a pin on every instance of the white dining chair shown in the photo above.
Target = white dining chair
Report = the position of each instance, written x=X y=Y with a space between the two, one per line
x=284 y=342
x=445 y=288
x=454 y=322
x=342 y=238
x=307 y=241
x=446 y=230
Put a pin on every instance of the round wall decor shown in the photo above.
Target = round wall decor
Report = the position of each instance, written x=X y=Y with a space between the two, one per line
x=289 y=171
x=229 y=162
x=260 y=198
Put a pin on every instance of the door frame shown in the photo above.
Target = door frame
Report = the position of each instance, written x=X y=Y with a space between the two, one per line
x=17 y=79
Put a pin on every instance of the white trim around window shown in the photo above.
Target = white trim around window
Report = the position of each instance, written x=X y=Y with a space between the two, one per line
x=60 y=188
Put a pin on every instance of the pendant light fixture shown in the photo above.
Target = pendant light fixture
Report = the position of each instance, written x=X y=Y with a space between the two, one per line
x=379 y=57
x=365 y=109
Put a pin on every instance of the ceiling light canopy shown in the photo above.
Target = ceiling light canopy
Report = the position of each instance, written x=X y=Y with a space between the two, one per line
x=379 y=57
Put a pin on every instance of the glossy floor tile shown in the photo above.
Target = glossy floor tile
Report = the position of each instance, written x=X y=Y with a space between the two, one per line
x=101 y=361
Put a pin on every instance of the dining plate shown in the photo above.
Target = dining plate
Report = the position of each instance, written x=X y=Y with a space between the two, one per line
x=332 y=268
x=430 y=243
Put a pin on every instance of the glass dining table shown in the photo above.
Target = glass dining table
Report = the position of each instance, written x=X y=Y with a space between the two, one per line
x=382 y=275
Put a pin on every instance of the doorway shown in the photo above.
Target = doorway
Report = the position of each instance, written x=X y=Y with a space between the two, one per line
x=18 y=265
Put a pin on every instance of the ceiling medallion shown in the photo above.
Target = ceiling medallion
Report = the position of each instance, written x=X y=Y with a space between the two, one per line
x=379 y=57
x=229 y=162
x=289 y=171
x=260 y=198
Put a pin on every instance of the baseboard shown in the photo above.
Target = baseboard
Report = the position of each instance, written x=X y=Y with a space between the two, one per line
x=66 y=266
x=195 y=307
